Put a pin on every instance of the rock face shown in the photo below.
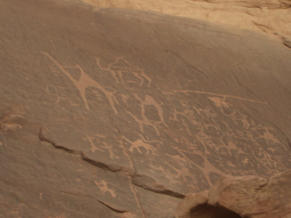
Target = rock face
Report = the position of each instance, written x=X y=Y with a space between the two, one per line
x=248 y=196
x=270 y=17
x=119 y=113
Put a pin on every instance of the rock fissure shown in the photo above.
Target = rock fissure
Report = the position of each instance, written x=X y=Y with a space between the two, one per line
x=113 y=168
x=109 y=206
x=142 y=181
x=101 y=165
x=150 y=184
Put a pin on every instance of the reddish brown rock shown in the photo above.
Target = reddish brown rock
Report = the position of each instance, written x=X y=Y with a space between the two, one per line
x=248 y=196
x=117 y=113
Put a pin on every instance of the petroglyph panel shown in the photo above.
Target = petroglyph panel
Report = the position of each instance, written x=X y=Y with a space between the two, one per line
x=126 y=112
x=200 y=136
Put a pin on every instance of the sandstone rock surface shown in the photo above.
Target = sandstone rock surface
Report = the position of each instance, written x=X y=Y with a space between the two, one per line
x=248 y=196
x=118 y=113
x=271 y=17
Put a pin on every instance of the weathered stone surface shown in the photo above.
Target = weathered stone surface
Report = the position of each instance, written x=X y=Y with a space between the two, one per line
x=287 y=43
x=247 y=196
x=118 y=113
x=269 y=17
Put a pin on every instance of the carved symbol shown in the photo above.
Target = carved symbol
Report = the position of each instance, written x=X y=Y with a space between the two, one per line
x=219 y=95
x=84 y=82
x=117 y=72
x=103 y=187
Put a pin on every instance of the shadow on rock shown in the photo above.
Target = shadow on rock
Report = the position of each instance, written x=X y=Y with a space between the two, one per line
x=247 y=196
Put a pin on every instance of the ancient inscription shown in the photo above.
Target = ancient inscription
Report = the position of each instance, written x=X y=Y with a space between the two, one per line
x=190 y=137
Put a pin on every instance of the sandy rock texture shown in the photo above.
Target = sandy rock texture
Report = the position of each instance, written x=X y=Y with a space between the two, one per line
x=247 y=196
x=118 y=113
x=271 y=17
